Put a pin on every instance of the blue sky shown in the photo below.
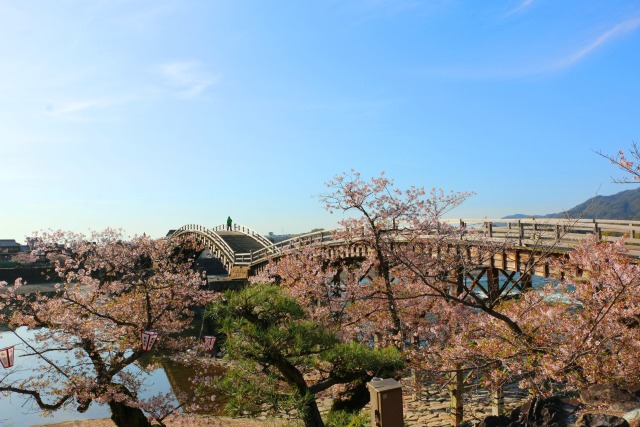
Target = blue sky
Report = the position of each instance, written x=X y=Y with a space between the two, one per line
x=151 y=114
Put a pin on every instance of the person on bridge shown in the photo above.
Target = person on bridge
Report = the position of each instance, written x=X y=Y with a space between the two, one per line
x=229 y=222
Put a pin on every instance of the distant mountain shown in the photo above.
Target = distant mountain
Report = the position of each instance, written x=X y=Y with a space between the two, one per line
x=622 y=205
x=522 y=216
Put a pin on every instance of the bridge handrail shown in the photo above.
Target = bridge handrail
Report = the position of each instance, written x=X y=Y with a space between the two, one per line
x=560 y=233
x=322 y=237
x=619 y=226
x=564 y=233
x=315 y=236
x=222 y=245
x=538 y=220
x=245 y=230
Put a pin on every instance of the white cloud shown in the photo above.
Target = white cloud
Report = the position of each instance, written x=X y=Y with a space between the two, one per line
x=530 y=67
x=77 y=109
x=620 y=29
x=189 y=76
x=521 y=7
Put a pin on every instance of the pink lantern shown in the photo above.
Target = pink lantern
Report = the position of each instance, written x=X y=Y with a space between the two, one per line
x=6 y=356
x=148 y=339
x=209 y=341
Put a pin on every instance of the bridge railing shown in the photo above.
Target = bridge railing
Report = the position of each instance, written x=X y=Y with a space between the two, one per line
x=221 y=245
x=561 y=234
x=245 y=230
x=558 y=234
x=317 y=237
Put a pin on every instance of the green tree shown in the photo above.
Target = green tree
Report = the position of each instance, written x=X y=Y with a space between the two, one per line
x=282 y=360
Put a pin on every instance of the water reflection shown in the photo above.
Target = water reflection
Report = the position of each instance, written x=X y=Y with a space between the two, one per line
x=19 y=411
x=180 y=378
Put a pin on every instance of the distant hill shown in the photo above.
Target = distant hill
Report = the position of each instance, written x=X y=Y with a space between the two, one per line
x=522 y=216
x=622 y=205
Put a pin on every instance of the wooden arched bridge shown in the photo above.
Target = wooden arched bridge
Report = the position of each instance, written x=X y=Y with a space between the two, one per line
x=241 y=250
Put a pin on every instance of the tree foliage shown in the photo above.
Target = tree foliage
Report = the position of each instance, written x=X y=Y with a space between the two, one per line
x=382 y=221
x=112 y=289
x=409 y=284
x=283 y=359
x=629 y=163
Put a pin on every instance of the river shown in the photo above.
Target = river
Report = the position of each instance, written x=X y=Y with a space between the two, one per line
x=19 y=411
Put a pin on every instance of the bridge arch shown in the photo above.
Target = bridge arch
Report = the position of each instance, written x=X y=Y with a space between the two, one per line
x=234 y=248
x=211 y=241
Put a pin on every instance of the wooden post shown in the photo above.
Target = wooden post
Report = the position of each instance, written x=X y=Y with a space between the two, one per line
x=376 y=340
x=416 y=375
x=456 y=388
x=416 y=379
x=525 y=281
x=520 y=232
x=497 y=401
x=456 y=381
x=493 y=281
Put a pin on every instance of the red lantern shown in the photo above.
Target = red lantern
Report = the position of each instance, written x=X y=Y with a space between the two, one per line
x=209 y=341
x=148 y=339
x=6 y=356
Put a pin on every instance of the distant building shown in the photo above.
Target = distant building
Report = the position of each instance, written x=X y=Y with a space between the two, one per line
x=8 y=248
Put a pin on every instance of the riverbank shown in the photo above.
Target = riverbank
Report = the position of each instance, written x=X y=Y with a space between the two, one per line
x=183 y=421
x=428 y=406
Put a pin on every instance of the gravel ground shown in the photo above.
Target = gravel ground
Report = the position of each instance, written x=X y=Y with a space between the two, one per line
x=183 y=421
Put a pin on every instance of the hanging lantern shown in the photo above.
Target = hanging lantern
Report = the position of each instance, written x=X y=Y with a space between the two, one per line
x=6 y=357
x=148 y=339
x=209 y=341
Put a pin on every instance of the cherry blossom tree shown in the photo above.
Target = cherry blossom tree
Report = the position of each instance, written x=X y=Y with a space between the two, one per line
x=89 y=332
x=398 y=271
x=363 y=283
x=393 y=260
x=388 y=219
x=629 y=163
x=581 y=330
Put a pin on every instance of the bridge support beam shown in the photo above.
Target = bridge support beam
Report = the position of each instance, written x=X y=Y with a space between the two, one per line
x=525 y=281
x=493 y=281
x=239 y=272
x=457 y=282
x=456 y=380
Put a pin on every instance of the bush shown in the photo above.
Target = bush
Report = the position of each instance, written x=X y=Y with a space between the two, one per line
x=346 y=419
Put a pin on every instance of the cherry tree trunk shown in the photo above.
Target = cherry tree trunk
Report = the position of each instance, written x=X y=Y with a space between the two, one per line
x=126 y=416
x=312 y=417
